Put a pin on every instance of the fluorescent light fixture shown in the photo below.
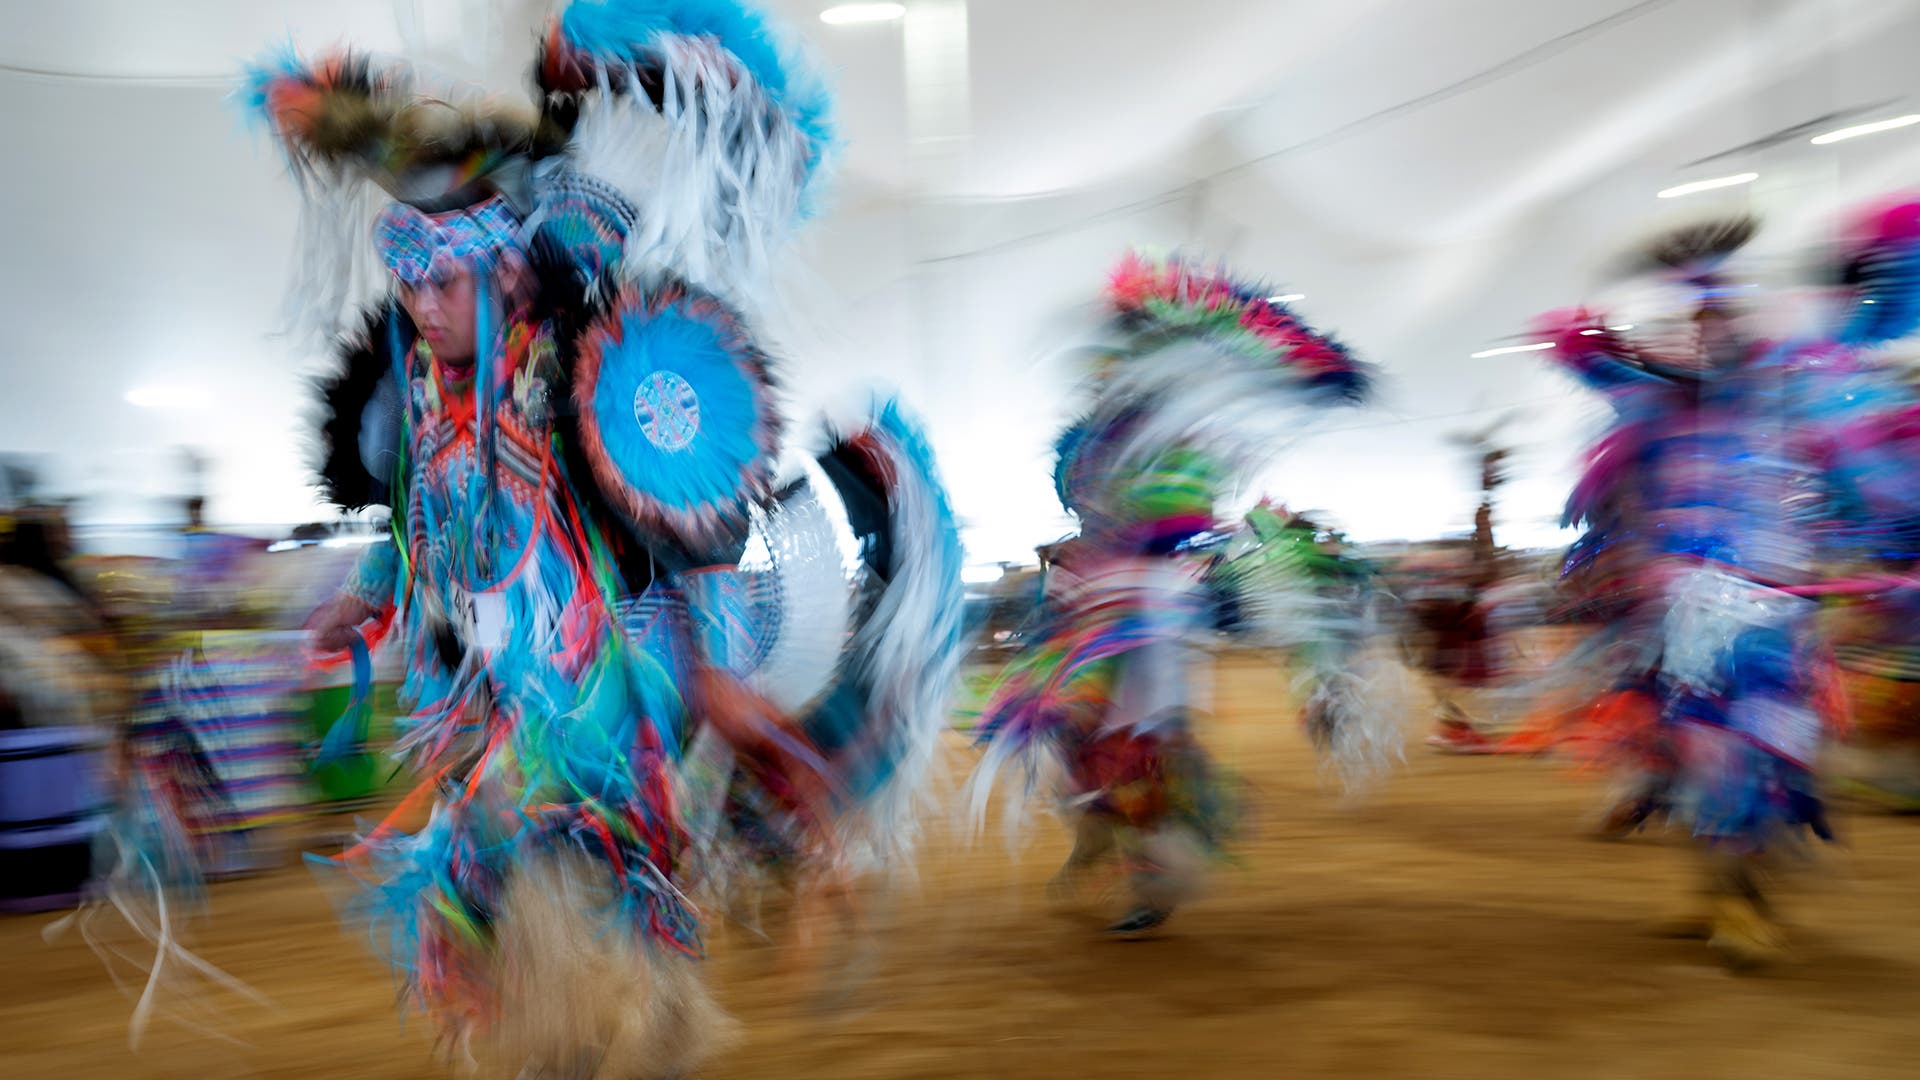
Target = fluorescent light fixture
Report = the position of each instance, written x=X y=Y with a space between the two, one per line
x=1858 y=130
x=353 y=541
x=283 y=545
x=981 y=575
x=1286 y=298
x=1504 y=350
x=1591 y=333
x=1708 y=185
x=166 y=397
x=1621 y=328
x=849 y=14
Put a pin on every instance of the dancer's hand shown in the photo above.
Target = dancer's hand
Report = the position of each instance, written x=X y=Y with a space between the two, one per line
x=336 y=623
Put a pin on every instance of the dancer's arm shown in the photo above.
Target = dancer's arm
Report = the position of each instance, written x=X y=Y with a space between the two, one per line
x=1592 y=352
x=366 y=594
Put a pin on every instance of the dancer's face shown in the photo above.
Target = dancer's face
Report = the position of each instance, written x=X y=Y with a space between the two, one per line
x=442 y=309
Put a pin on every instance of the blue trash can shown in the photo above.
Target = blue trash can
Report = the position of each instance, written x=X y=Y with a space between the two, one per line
x=52 y=807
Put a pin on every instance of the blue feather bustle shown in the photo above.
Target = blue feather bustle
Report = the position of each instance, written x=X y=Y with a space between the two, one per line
x=875 y=724
x=1885 y=279
x=907 y=658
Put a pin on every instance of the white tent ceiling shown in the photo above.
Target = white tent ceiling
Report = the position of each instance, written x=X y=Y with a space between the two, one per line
x=1430 y=174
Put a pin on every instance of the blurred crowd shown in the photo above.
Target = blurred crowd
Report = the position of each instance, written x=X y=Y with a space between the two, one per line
x=182 y=673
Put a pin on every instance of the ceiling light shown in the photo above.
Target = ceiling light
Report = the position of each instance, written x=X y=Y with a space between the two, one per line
x=1709 y=185
x=165 y=397
x=1858 y=130
x=1535 y=347
x=848 y=14
x=1622 y=327
x=1286 y=298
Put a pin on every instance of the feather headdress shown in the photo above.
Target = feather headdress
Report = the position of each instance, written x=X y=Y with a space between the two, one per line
x=701 y=134
x=1206 y=372
x=357 y=132
x=671 y=136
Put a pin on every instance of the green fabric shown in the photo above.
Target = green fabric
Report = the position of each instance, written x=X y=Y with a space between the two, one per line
x=1180 y=483
x=366 y=773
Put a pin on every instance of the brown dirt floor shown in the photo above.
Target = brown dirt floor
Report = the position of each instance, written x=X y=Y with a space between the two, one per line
x=1455 y=922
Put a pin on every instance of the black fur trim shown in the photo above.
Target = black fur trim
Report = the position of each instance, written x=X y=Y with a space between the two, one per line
x=859 y=478
x=341 y=411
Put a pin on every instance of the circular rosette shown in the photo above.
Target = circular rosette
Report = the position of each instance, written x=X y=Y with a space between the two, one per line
x=677 y=416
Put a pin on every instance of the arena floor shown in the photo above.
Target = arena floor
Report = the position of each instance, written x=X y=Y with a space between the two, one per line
x=1454 y=923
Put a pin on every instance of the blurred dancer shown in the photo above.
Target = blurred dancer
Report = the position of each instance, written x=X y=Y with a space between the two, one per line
x=1462 y=653
x=1735 y=466
x=1201 y=368
x=599 y=577
x=1451 y=613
